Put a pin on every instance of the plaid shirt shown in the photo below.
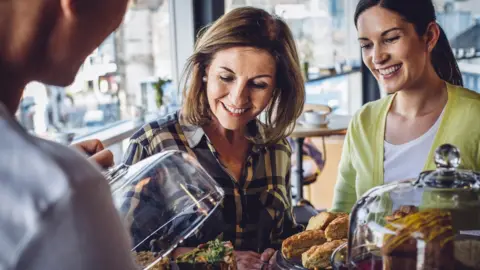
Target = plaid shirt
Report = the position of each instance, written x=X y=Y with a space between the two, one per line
x=256 y=211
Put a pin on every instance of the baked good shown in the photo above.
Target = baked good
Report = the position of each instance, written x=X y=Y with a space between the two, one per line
x=431 y=229
x=296 y=244
x=403 y=211
x=337 y=229
x=145 y=258
x=321 y=220
x=212 y=255
x=466 y=253
x=319 y=256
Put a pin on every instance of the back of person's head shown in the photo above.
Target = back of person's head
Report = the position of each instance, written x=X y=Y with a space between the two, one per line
x=421 y=13
x=48 y=40
x=249 y=27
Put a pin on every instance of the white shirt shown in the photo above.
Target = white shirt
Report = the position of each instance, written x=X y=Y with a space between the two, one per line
x=406 y=161
x=56 y=209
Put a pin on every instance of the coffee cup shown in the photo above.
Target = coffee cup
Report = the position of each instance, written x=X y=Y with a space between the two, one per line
x=316 y=117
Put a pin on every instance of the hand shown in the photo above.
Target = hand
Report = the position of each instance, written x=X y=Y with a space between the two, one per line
x=269 y=257
x=248 y=260
x=97 y=152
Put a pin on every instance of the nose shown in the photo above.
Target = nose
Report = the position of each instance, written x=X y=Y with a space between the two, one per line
x=239 y=95
x=379 y=55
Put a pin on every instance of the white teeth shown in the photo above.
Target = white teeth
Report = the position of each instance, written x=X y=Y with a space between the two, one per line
x=234 y=110
x=390 y=70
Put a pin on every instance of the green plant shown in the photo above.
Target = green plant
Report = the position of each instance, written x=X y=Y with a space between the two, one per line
x=159 y=90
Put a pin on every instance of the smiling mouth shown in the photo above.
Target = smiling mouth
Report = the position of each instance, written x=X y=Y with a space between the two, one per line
x=388 y=72
x=235 y=111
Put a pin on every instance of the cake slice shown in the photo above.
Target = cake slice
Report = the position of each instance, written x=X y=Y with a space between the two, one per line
x=321 y=220
x=319 y=256
x=431 y=230
x=337 y=229
x=296 y=244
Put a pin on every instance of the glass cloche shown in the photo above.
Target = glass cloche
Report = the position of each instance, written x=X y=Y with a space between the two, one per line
x=163 y=200
x=432 y=222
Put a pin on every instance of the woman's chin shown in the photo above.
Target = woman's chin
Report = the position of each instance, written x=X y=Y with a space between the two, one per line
x=232 y=125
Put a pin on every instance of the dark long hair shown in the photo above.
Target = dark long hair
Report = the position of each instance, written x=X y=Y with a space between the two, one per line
x=421 y=13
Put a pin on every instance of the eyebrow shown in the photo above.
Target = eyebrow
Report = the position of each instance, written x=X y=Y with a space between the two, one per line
x=256 y=77
x=384 y=33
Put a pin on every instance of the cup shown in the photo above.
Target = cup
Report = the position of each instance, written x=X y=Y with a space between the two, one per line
x=316 y=117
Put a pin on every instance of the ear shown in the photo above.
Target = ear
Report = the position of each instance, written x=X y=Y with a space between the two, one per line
x=207 y=69
x=68 y=9
x=432 y=35
x=72 y=9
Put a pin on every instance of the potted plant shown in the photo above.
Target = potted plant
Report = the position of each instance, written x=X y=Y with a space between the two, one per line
x=159 y=85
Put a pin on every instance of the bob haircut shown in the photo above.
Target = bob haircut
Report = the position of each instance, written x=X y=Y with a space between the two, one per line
x=248 y=27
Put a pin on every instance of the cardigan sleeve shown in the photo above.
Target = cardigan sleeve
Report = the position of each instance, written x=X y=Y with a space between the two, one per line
x=345 y=194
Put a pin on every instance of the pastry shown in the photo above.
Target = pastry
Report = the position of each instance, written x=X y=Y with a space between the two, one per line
x=337 y=229
x=466 y=253
x=319 y=256
x=402 y=212
x=321 y=221
x=430 y=229
x=145 y=258
x=296 y=244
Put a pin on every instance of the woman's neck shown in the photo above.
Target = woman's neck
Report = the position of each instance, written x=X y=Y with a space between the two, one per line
x=425 y=98
x=215 y=130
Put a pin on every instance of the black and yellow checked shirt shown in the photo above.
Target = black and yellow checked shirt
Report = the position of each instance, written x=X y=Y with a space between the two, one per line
x=258 y=205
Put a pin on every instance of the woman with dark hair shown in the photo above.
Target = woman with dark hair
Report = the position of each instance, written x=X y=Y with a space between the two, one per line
x=394 y=138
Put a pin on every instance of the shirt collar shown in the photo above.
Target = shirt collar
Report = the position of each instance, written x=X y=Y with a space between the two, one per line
x=194 y=134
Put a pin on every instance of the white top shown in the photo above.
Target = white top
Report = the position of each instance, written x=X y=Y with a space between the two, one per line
x=406 y=161
x=56 y=209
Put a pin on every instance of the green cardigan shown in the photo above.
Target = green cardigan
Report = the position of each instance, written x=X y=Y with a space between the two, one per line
x=361 y=165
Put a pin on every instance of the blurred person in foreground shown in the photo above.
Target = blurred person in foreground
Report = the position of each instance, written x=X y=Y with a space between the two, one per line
x=244 y=64
x=56 y=210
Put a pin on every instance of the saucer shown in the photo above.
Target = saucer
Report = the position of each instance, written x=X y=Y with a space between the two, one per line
x=313 y=125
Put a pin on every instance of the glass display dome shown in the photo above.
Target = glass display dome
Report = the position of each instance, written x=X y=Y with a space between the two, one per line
x=432 y=222
x=162 y=201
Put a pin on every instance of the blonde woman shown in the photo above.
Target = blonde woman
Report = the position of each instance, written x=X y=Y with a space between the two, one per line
x=246 y=63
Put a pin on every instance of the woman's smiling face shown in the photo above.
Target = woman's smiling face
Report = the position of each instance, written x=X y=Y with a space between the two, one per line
x=391 y=48
x=240 y=84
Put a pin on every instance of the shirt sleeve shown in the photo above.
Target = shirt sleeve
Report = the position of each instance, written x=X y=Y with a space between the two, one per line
x=285 y=221
x=345 y=191
x=288 y=222
x=81 y=231
x=134 y=153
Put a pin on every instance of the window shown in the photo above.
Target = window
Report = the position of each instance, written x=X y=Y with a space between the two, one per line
x=327 y=44
x=115 y=83
x=460 y=20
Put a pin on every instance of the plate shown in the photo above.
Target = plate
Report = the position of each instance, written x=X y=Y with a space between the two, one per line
x=284 y=264
x=294 y=264
x=311 y=125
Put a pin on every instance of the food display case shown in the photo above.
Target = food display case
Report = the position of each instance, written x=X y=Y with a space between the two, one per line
x=432 y=222
x=163 y=200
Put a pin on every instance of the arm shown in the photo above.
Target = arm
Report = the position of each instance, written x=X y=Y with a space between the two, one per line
x=135 y=153
x=97 y=152
x=345 y=192
x=286 y=225
x=81 y=231
x=290 y=227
